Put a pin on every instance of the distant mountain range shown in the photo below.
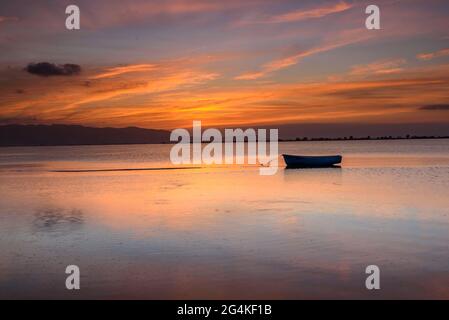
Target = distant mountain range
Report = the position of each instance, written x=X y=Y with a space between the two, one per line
x=58 y=135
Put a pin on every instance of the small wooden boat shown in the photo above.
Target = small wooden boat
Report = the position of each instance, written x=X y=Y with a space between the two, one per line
x=311 y=161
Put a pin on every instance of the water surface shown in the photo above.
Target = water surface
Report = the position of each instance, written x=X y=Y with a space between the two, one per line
x=225 y=231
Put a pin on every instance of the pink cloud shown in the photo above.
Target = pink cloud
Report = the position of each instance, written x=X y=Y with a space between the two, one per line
x=346 y=38
x=299 y=15
x=4 y=19
x=433 y=55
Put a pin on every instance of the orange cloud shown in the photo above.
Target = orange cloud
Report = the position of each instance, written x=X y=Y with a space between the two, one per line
x=162 y=83
x=70 y=100
x=172 y=99
x=387 y=66
x=176 y=92
x=112 y=72
x=433 y=55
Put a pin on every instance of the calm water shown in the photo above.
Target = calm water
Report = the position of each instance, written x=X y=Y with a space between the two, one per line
x=225 y=231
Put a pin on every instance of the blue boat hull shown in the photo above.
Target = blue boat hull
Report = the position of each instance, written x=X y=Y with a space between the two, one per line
x=311 y=161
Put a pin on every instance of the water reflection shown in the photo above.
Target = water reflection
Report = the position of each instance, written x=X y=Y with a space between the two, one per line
x=227 y=232
x=318 y=175
x=56 y=221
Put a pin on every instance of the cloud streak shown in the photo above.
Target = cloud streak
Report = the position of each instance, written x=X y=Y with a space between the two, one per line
x=433 y=55
x=301 y=14
x=294 y=59
x=116 y=13
x=116 y=71
x=381 y=67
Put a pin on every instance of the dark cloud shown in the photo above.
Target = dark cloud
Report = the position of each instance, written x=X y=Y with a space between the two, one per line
x=47 y=69
x=433 y=107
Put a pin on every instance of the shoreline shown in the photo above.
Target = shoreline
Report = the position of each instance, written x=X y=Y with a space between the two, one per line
x=344 y=139
x=366 y=138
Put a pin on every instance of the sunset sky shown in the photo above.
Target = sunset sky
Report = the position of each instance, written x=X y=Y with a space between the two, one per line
x=162 y=64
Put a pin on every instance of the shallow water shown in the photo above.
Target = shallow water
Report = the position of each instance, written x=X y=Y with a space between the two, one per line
x=225 y=231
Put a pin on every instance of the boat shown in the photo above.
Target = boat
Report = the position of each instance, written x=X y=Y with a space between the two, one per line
x=311 y=161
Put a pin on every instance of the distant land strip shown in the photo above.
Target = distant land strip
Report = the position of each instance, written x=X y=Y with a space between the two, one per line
x=17 y=135
x=365 y=138
x=70 y=135
x=125 y=169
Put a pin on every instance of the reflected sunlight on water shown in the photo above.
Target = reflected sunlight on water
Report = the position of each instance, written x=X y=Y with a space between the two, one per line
x=226 y=231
